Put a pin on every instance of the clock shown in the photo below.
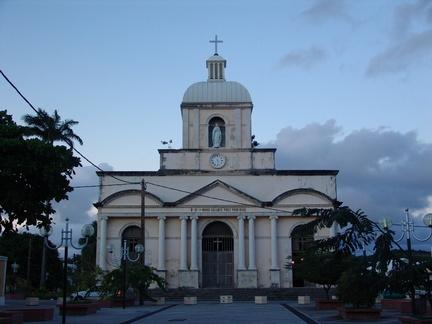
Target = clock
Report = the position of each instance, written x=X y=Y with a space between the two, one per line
x=217 y=160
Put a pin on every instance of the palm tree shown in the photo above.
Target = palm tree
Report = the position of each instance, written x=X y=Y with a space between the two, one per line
x=51 y=128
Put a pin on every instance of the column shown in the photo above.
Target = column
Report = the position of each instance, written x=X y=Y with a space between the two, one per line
x=161 y=257
x=242 y=259
x=274 y=247
x=183 y=243
x=194 y=242
x=252 y=262
x=103 y=242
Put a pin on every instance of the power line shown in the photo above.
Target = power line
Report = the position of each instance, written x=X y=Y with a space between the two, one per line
x=71 y=146
x=215 y=198
x=125 y=182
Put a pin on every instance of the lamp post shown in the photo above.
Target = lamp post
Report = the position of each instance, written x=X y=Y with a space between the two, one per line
x=408 y=228
x=66 y=240
x=139 y=248
x=15 y=267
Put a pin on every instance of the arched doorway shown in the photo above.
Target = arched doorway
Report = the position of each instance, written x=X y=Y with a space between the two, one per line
x=299 y=245
x=217 y=256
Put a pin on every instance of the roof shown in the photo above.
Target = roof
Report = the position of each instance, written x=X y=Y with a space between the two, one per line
x=228 y=91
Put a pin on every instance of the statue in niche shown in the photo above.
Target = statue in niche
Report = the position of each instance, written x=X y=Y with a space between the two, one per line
x=216 y=136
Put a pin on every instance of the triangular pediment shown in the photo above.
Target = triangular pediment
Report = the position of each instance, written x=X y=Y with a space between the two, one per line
x=218 y=193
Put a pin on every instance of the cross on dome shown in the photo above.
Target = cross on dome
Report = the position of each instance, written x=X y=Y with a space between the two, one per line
x=216 y=41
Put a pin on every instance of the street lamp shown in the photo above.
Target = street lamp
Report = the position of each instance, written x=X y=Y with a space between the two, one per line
x=139 y=248
x=15 y=267
x=408 y=228
x=66 y=239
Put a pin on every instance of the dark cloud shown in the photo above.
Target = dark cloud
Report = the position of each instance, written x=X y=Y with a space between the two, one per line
x=304 y=58
x=382 y=172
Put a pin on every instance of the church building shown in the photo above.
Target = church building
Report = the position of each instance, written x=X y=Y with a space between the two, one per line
x=217 y=213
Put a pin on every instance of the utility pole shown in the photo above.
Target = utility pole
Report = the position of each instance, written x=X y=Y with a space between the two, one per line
x=143 y=188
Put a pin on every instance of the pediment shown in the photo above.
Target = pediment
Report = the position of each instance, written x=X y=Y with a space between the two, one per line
x=303 y=197
x=131 y=198
x=218 y=193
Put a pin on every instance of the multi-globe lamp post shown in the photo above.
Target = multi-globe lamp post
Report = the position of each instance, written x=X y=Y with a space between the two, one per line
x=125 y=255
x=408 y=229
x=66 y=240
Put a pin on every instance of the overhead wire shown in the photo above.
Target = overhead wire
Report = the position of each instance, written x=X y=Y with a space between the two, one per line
x=71 y=146
x=125 y=182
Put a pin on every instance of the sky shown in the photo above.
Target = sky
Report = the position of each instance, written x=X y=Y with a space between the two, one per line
x=339 y=85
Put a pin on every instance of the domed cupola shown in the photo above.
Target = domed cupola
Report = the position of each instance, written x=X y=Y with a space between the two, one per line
x=217 y=128
x=216 y=104
x=216 y=68
x=216 y=89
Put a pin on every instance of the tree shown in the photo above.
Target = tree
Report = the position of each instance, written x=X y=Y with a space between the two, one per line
x=387 y=269
x=26 y=250
x=51 y=128
x=323 y=269
x=32 y=174
x=139 y=277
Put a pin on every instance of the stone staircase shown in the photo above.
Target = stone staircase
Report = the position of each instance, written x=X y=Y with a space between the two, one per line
x=239 y=294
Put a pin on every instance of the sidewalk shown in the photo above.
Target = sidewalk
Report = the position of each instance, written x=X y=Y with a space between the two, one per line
x=275 y=312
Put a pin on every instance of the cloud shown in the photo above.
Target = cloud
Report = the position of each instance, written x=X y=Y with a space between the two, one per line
x=411 y=39
x=401 y=55
x=304 y=58
x=79 y=207
x=382 y=172
x=323 y=10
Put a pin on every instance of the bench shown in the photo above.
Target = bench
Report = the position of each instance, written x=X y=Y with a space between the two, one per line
x=302 y=300
x=14 y=317
x=35 y=314
x=226 y=299
x=260 y=299
x=79 y=309
x=190 y=300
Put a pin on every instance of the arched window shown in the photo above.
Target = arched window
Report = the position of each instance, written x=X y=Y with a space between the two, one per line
x=132 y=235
x=216 y=133
x=299 y=246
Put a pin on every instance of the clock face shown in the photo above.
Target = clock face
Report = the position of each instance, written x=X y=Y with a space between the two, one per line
x=217 y=161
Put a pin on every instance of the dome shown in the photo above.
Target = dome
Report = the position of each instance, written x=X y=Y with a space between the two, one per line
x=228 y=91
x=216 y=57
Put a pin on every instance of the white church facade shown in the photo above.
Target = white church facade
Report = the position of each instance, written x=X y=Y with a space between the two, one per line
x=217 y=213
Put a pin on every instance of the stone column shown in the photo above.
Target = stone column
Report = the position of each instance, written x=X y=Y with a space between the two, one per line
x=103 y=243
x=183 y=243
x=194 y=242
x=161 y=257
x=242 y=259
x=252 y=262
x=274 y=247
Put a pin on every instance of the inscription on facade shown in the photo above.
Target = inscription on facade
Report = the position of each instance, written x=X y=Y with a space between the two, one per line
x=218 y=210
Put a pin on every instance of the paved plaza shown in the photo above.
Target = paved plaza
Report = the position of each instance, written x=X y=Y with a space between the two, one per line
x=273 y=312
